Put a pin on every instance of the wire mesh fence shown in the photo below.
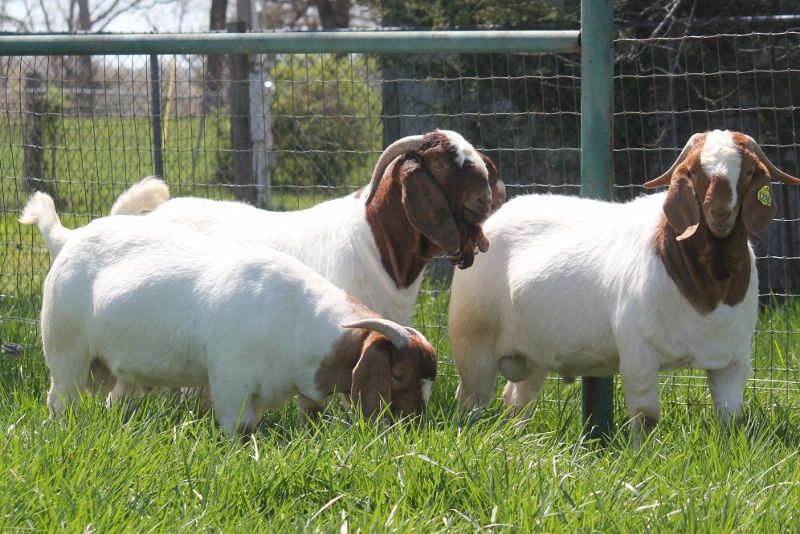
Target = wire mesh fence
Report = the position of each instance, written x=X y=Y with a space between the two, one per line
x=85 y=128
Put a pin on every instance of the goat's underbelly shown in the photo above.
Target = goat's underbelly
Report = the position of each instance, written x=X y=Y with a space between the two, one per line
x=160 y=371
x=578 y=362
x=585 y=363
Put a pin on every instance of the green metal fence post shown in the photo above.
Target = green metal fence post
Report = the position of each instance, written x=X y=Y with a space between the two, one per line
x=155 y=116
x=597 y=71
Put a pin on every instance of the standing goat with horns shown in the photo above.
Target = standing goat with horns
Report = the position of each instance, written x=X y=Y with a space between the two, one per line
x=588 y=288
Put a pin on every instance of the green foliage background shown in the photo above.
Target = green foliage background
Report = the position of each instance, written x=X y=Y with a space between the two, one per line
x=326 y=123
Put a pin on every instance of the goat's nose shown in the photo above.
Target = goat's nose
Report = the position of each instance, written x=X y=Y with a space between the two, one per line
x=721 y=213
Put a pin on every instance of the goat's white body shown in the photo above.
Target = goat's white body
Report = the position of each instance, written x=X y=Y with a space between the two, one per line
x=575 y=286
x=161 y=305
x=333 y=238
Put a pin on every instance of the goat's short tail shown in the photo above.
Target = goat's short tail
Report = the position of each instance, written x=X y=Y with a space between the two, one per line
x=41 y=210
x=145 y=195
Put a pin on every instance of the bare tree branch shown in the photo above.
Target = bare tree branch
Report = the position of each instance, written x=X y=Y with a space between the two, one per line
x=299 y=12
x=19 y=22
x=28 y=12
x=71 y=17
x=669 y=18
x=134 y=5
x=46 y=17
x=109 y=10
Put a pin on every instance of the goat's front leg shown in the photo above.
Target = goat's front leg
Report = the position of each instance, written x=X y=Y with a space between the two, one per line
x=639 y=375
x=125 y=391
x=308 y=409
x=727 y=388
x=233 y=405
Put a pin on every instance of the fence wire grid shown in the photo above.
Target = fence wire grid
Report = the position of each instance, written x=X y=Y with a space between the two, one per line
x=84 y=129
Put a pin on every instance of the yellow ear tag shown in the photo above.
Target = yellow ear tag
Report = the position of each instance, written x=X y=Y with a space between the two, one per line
x=764 y=197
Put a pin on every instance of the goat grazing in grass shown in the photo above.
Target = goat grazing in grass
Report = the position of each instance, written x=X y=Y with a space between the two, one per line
x=152 y=303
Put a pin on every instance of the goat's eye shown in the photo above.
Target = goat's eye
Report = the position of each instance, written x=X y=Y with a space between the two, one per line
x=397 y=378
x=439 y=166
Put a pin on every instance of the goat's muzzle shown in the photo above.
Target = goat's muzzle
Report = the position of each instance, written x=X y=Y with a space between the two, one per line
x=720 y=226
x=719 y=210
x=478 y=209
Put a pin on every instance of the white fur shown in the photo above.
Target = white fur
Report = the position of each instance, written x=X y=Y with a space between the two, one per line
x=464 y=150
x=332 y=238
x=158 y=304
x=145 y=195
x=722 y=157
x=575 y=286
x=41 y=210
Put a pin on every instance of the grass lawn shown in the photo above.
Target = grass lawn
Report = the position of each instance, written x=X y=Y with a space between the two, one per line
x=168 y=468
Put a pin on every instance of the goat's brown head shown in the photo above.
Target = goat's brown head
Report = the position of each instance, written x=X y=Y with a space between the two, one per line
x=397 y=366
x=448 y=189
x=720 y=178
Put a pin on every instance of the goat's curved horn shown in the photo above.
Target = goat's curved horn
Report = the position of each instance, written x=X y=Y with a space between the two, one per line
x=774 y=172
x=397 y=334
x=401 y=146
x=667 y=176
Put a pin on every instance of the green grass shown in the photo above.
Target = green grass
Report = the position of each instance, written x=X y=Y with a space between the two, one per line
x=167 y=468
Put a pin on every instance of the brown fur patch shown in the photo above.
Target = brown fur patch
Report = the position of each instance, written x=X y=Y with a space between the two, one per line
x=708 y=270
x=401 y=386
x=336 y=371
x=404 y=250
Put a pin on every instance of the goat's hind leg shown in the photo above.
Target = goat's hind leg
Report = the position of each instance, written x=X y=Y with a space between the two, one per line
x=477 y=369
x=69 y=377
x=520 y=395
x=125 y=391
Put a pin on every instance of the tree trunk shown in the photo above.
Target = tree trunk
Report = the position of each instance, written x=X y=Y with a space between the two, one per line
x=33 y=149
x=333 y=13
x=215 y=62
x=85 y=71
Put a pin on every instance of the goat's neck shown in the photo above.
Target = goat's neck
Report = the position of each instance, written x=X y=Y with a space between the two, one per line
x=707 y=270
x=404 y=250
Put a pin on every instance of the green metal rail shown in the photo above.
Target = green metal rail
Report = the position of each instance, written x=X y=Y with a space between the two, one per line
x=331 y=42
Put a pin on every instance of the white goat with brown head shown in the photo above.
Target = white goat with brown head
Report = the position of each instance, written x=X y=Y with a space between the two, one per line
x=154 y=304
x=584 y=287
x=429 y=195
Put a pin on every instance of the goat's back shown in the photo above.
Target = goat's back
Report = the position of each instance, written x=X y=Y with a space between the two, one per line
x=161 y=302
x=333 y=238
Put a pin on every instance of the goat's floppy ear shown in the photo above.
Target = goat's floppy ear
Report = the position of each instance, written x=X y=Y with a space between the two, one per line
x=758 y=204
x=496 y=183
x=372 y=378
x=681 y=207
x=427 y=209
